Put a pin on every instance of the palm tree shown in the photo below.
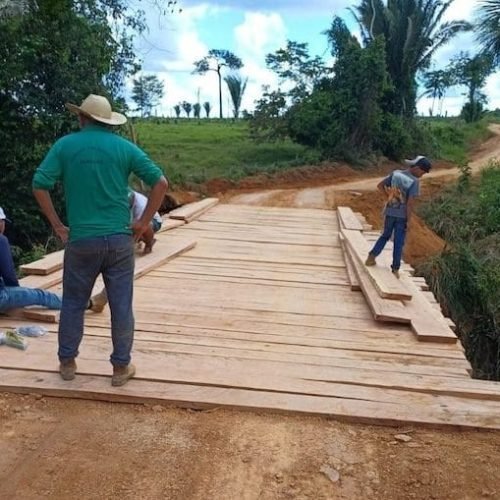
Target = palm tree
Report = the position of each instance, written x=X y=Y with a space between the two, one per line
x=215 y=61
x=436 y=83
x=187 y=107
x=488 y=28
x=207 y=107
x=413 y=31
x=196 y=109
x=236 y=86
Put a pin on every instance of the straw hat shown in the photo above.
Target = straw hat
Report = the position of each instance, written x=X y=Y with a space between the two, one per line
x=98 y=108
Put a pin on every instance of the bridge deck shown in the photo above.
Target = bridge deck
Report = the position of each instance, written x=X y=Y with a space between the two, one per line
x=260 y=315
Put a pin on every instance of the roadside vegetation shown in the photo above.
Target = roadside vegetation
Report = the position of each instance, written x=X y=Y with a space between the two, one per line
x=466 y=276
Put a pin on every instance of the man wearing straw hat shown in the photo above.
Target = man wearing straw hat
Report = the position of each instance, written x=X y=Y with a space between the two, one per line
x=94 y=165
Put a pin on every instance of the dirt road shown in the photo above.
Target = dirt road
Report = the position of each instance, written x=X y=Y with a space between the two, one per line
x=59 y=449
x=332 y=195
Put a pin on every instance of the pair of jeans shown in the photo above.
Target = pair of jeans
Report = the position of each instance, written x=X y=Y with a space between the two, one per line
x=113 y=257
x=18 y=296
x=7 y=269
x=396 y=225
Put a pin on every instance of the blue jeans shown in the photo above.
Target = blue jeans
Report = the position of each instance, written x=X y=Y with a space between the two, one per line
x=18 y=296
x=396 y=225
x=84 y=260
x=7 y=269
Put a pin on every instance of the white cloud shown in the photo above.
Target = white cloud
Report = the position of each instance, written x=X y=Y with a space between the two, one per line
x=277 y=5
x=257 y=36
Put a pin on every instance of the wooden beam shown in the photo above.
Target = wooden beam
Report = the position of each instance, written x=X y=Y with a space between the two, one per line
x=348 y=219
x=386 y=284
x=351 y=273
x=168 y=224
x=192 y=211
x=48 y=264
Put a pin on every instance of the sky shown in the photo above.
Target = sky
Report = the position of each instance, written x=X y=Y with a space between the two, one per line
x=251 y=29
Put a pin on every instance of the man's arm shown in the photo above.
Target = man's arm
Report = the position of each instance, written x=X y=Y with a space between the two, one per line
x=45 y=201
x=2 y=226
x=154 y=201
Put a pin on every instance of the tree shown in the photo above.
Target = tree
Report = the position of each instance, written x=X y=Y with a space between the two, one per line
x=187 y=107
x=294 y=64
x=413 y=31
x=472 y=72
x=55 y=52
x=436 y=83
x=269 y=121
x=197 y=110
x=207 y=107
x=215 y=61
x=488 y=28
x=344 y=114
x=236 y=86
x=147 y=92
x=177 y=109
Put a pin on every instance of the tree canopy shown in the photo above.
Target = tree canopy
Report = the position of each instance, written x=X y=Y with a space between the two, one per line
x=216 y=60
x=413 y=31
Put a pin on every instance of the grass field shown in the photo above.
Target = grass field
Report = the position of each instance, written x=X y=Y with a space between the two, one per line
x=193 y=151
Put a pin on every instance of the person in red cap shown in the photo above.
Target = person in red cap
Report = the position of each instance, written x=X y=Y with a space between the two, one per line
x=400 y=188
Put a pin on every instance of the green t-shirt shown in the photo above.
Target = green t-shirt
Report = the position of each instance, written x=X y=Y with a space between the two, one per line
x=94 y=166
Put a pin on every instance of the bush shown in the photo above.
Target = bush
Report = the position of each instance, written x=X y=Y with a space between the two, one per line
x=466 y=278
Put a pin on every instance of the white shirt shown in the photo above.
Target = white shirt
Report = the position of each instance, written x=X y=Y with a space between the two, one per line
x=138 y=206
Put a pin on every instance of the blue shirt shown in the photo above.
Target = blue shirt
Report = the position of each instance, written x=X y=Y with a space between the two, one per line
x=403 y=186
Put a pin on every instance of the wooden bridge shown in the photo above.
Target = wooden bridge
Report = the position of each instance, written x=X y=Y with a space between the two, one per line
x=271 y=309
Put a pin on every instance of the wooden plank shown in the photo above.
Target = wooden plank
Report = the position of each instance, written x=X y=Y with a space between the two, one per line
x=428 y=324
x=370 y=345
x=382 y=309
x=353 y=279
x=257 y=374
x=163 y=252
x=384 y=281
x=193 y=210
x=348 y=219
x=50 y=263
x=43 y=282
x=35 y=314
x=433 y=411
x=168 y=224
x=217 y=346
x=427 y=321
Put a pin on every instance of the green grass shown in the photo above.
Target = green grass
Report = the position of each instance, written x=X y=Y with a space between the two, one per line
x=194 y=151
x=453 y=139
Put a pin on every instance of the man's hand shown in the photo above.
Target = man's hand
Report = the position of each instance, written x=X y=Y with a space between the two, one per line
x=62 y=232
x=138 y=229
